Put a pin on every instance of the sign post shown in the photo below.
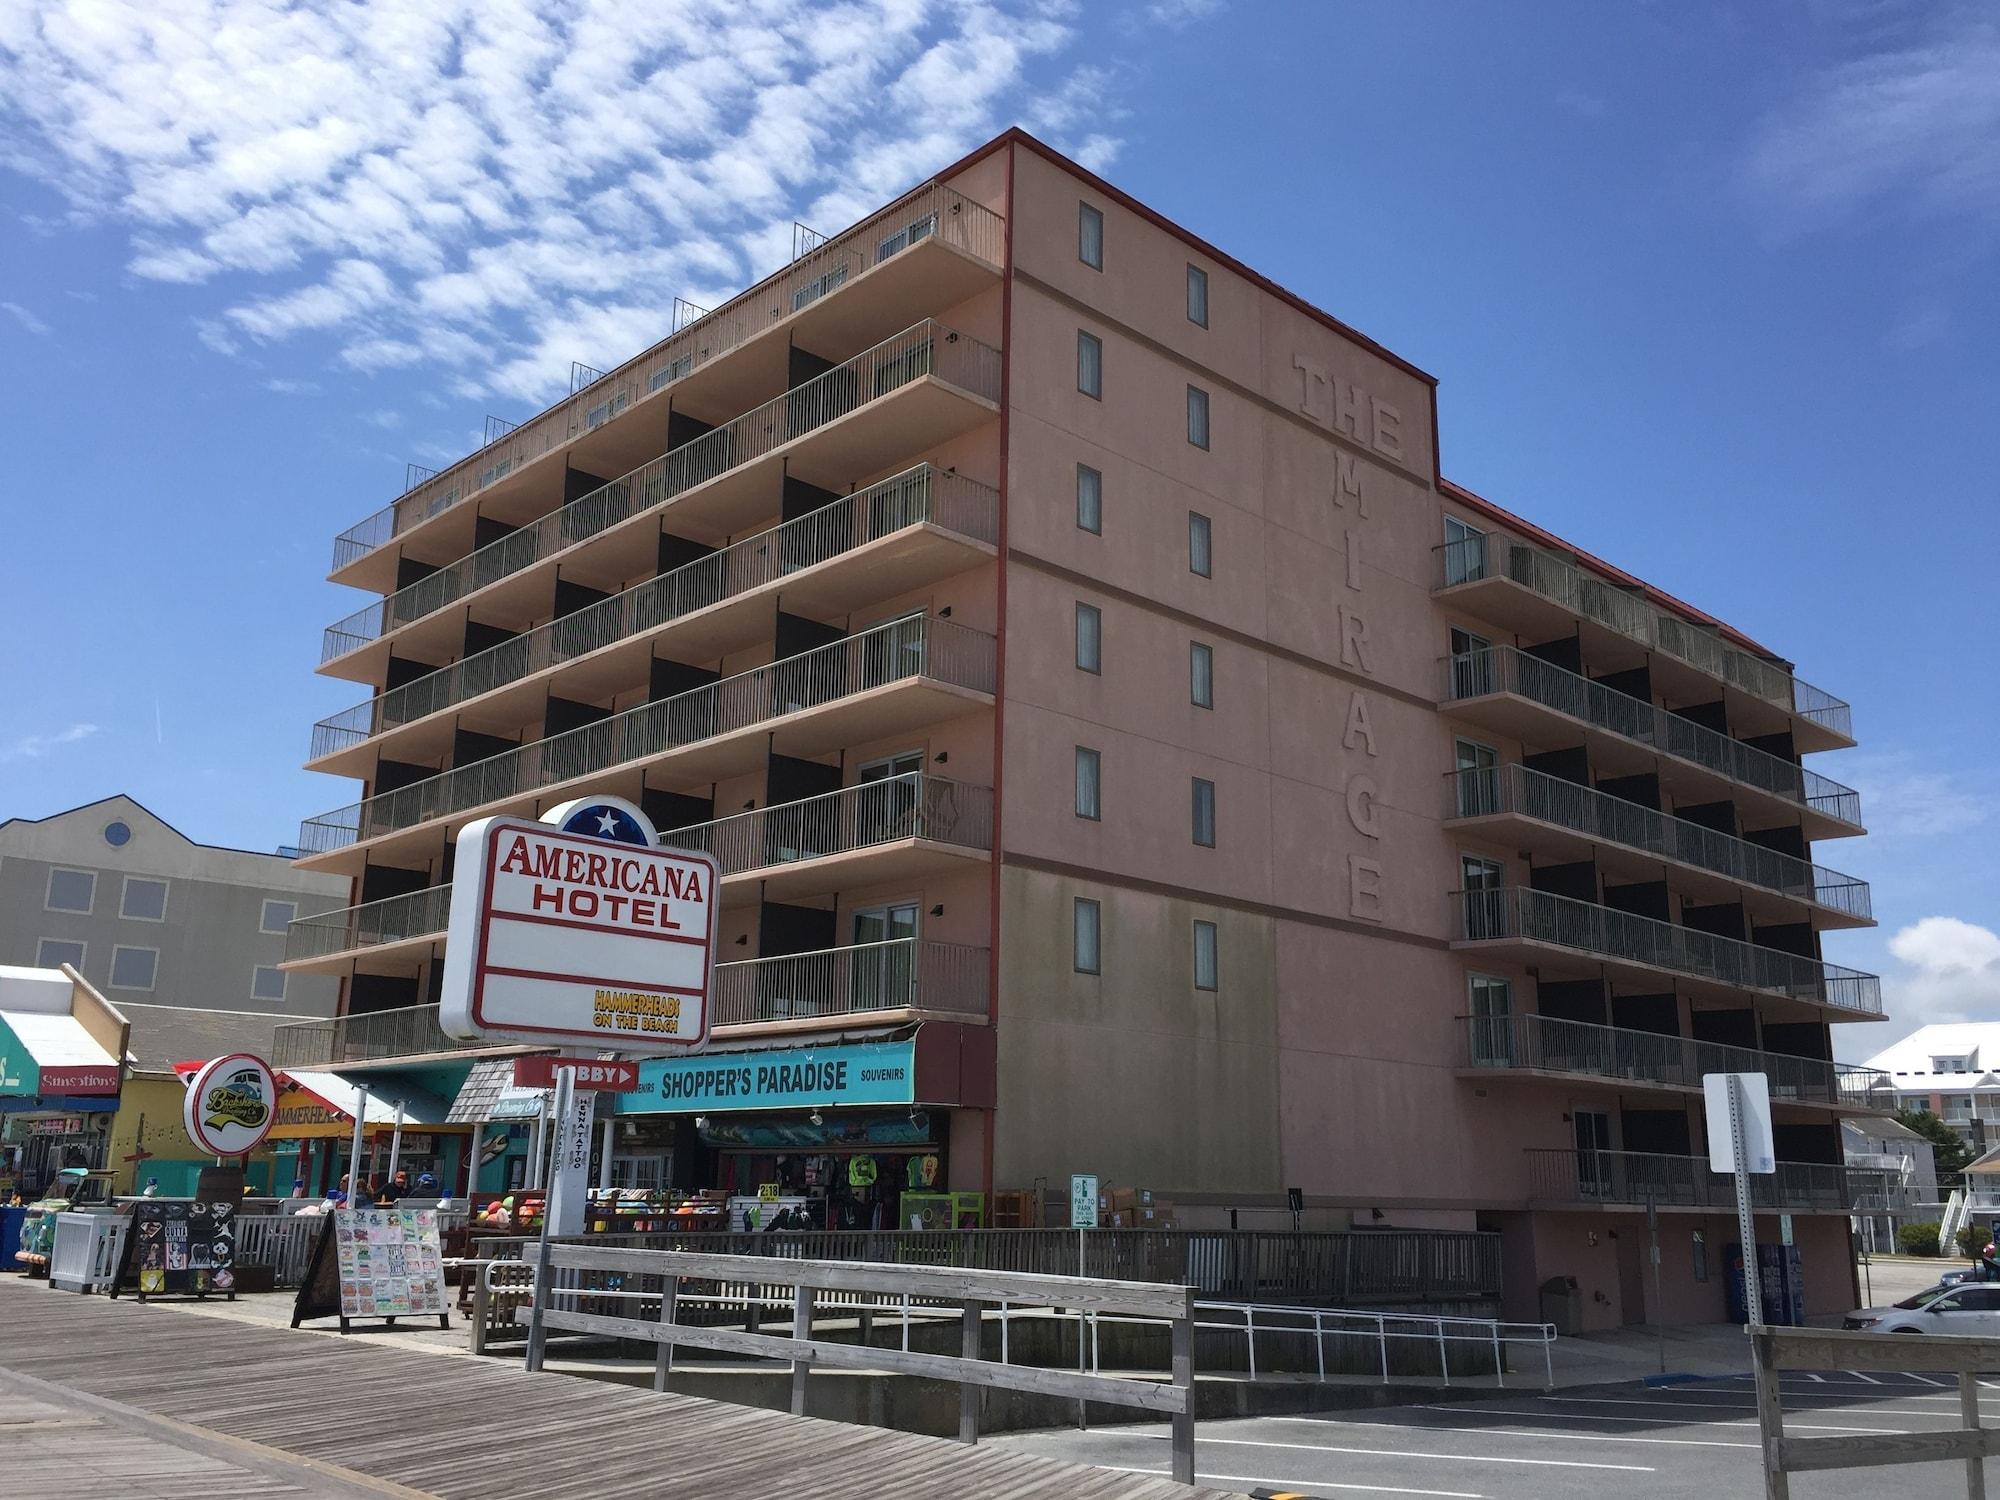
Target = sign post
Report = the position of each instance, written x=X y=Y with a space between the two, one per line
x=356 y=1191
x=1743 y=1100
x=565 y=1098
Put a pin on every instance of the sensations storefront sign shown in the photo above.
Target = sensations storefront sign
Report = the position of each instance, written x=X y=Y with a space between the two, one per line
x=577 y=930
x=231 y=1104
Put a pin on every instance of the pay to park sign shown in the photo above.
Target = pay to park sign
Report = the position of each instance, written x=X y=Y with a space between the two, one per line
x=560 y=936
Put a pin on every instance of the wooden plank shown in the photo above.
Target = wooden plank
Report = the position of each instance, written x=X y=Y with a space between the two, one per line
x=1109 y=1389
x=1803 y=1455
x=1770 y=1417
x=802 y=1323
x=1968 y=1408
x=1143 y=1299
x=969 y=1334
x=1892 y=1353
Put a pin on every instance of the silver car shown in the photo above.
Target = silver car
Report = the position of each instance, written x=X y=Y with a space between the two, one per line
x=1971 y=1309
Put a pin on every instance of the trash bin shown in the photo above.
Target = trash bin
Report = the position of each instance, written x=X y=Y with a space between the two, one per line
x=1562 y=1303
x=11 y=1220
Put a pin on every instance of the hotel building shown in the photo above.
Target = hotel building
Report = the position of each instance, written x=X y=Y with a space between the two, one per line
x=1066 y=641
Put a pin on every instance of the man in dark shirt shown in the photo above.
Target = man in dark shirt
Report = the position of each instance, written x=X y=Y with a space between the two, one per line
x=395 y=1189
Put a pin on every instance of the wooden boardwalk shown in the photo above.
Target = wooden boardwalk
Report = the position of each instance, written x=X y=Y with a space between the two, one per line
x=222 y=1406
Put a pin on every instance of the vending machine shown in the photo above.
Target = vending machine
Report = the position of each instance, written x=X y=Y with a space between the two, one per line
x=1780 y=1279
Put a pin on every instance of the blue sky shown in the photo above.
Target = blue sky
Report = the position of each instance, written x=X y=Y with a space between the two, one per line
x=1708 y=289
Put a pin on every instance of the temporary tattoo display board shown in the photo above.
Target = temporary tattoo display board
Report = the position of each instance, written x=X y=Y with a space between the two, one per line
x=375 y=1264
x=179 y=1247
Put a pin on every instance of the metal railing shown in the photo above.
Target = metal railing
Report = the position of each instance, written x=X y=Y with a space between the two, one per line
x=919 y=496
x=915 y=805
x=1620 y=609
x=915 y=646
x=1551 y=1044
x=1506 y=669
x=393 y=919
x=900 y=973
x=897 y=974
x=1517 y=913
x=1637 y=1177
x=931 y=212
x=1410 y=1337
x=927 y=349
x=1481 y=791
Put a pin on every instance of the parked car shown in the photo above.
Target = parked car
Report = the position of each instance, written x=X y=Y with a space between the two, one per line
x=1968 y=1309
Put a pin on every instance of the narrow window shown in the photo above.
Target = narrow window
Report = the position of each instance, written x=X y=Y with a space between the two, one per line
x=1089 y=500
x=1089 y=638
x=1197 y=296
x=1199 y=560
x=1197 y=402
x=1204 y=813
x=1464 y=552
x=1084 y=934
x=1090 y=364
x=1201 y=675
x=267 y=983
x=1088 y=767
x=1205 y=962
x=1090 y=236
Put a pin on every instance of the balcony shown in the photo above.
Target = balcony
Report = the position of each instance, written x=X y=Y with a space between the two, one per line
x=1539 y=594
x=901 y=828
x=891 y=538
x=1532 y=925
x=933 y=247
x=908 y=393
x=1512 y=693
x=890 y=680
x=1551 y=1047
x=1579 y=822
x=1636 y=1178
x=791 y=992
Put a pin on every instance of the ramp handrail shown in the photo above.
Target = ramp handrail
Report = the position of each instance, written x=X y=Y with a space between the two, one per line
x=1778 y=1349
x=557 y=1280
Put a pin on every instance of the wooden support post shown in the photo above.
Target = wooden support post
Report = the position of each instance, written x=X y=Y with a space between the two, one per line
x=802 y=1315
x=663 y=1362
x=1770 y=1409
x=1183 y=1420
x=1968 y=1405
x=968 y=1394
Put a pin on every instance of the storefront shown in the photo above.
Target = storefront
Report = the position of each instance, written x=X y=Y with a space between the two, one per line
x=855 y=1134
x=62 y=1056
x=314 y=1135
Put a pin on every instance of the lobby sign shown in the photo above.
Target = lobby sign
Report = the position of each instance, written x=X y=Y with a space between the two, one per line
x=580 y=938
x=598 y=1075
x=853 y=1073
x=231 y=1104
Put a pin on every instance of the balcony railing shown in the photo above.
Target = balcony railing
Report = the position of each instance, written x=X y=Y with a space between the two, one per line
x=393 y=919
x=915 y=805
x=900 y=974
x=1550 y=1044
x=918 y=496
x=1619 y=609
x=935 y=211
x=927 y=349
x=1505 y=669
x=1481 y=791
x=410 y=1032
x=1517 y=914
x=916 y=646
x=1640 y=1177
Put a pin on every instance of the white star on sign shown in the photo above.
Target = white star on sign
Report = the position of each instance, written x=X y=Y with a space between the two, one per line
x=607 y=823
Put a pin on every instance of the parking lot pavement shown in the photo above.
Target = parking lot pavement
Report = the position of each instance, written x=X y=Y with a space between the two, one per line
x=1643 y=1441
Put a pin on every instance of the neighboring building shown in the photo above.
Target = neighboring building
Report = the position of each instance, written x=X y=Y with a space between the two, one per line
x=1102 y=707
x=1892 y=1173
x=1953 y=1070
x=186 y=940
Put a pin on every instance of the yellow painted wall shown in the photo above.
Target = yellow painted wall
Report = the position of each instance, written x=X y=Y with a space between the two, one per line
x=176 y=1159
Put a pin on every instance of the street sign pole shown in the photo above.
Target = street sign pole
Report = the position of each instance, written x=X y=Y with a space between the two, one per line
x=1753 y=1291
x=1659 y=1307
x=565 y=1097
x=356 y=1193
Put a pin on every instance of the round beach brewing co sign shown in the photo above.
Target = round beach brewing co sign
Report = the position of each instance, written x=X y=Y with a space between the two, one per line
x=231 y=1104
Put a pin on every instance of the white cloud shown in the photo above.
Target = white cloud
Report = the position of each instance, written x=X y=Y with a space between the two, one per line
x=1951 y=973
x=285 y=387
x=1903 y=798
x=26 y=319
x=1179 y=13
x=35 y=746
x=1917 y=120
x=498 y=187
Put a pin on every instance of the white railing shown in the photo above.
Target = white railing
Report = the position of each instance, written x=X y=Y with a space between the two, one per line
x=931 y=213
x=914 y=805
x=281 y=1241
x=87 y=1250
x=913 y=647
x=1628 y=613
x=917 y=497
x=929 y=349
x=896 y=974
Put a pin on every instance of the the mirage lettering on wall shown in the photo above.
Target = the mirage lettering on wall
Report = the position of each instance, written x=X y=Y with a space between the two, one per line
x=1350 y=498
x=1344 y=407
